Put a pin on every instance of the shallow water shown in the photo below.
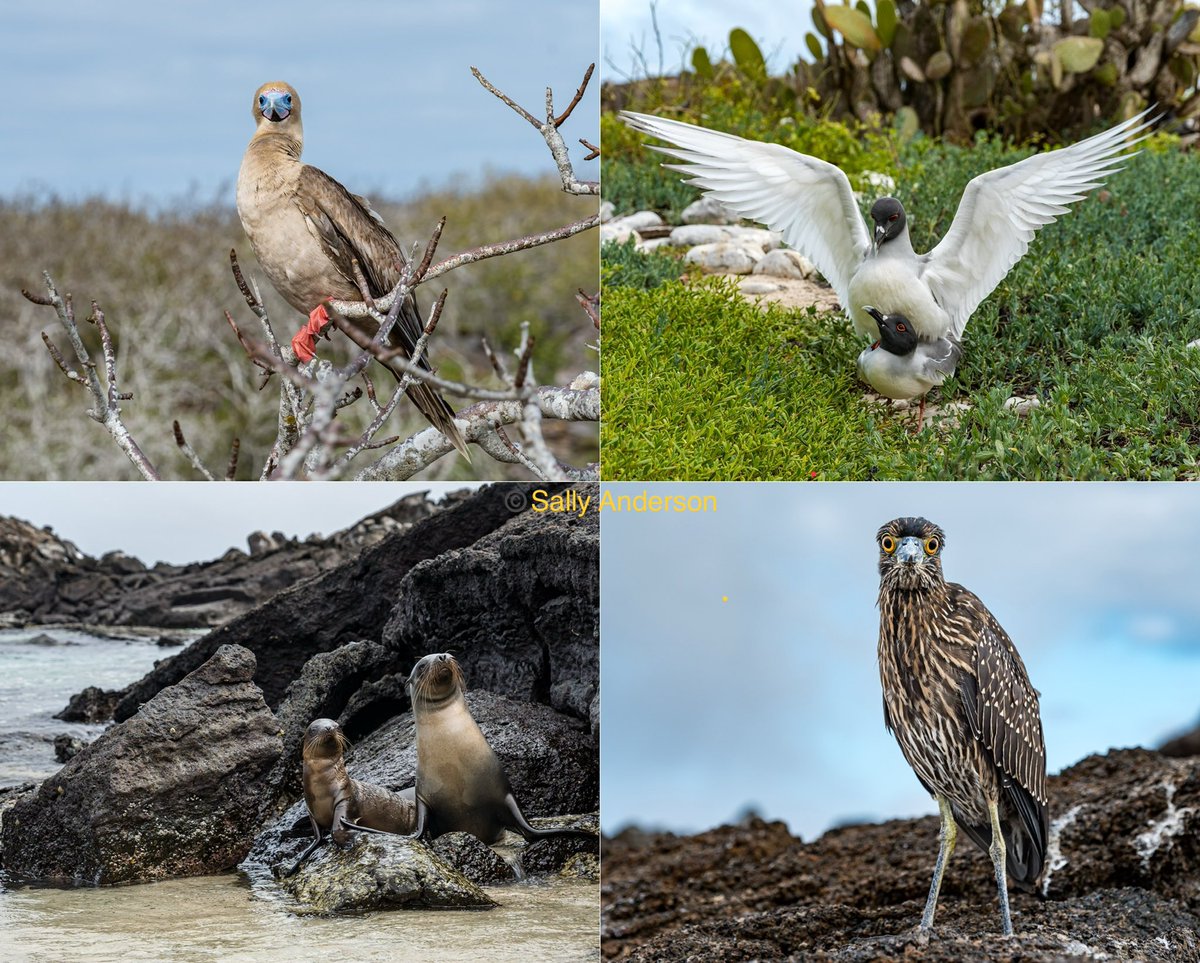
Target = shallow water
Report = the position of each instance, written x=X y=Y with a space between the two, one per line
x=218 y=918
x=37 y=680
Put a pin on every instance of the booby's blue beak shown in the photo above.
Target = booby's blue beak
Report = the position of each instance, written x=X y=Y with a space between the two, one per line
x=275 y=105
x=910 y=549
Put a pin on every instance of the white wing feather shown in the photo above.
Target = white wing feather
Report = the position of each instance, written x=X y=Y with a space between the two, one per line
x=806 y=199
x=1001 y=210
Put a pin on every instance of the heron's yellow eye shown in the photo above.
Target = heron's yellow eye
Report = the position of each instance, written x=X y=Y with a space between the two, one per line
x=888 y=544
x=932 y=545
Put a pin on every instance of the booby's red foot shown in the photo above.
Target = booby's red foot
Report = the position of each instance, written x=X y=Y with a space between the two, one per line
x=304 y=343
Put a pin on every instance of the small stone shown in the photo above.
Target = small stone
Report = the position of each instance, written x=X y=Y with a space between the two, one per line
x=785 y=263
x=607 y=211
x=617 y=232
x=726 y=257
x=1022 y=406
x=692 y=235
x=758 y=236
x=1194 y=344
x=638 y=220
x=759 y=286
x=707 y=210
x=653 y=243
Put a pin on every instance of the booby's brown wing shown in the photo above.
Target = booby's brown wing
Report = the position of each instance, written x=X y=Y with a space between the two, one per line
x=349 y=230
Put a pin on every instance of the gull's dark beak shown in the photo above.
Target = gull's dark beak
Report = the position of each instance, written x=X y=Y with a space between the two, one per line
x=880 y=233
x=874 y=313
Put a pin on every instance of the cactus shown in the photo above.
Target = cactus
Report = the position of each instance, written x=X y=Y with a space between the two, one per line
x=965 y=64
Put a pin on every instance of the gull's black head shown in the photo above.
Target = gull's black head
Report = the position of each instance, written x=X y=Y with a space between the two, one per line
x=889 y=218
x=896 y=334
x=910 y=554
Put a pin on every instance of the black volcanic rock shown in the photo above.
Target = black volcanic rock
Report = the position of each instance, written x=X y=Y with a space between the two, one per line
x=350 y=602
x=519 y=609
x=176 y=791
x=1123 y=882
x=47 y=579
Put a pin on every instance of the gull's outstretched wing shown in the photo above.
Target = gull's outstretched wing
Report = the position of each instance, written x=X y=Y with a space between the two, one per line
x=807 y=200
x=1001 y=210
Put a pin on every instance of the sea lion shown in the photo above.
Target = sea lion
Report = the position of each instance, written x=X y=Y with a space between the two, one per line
x=338 y=804
x=461 y=786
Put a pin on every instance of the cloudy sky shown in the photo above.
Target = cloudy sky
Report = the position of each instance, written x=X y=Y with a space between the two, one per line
x=630 y=45
x=145 y=100
x=771 y=699
x=195 y=521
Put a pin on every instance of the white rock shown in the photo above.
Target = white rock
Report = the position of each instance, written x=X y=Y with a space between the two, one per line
x=759 y=286
x=636 y=222
x=607 y=211
x=1022 y=406
x=618 y=232
x=707 y=210
x=1194 y=344
x=689 y=235
x=767 y=240
x=785 y=263
x=727 y=257
x=651 y=243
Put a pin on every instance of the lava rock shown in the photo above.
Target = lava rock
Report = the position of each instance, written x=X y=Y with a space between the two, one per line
x=382 y=872
x=175 y=791
x=67 y=746
x=93 y=704
x=1123 y=882
x=474 y=858
x=351 y=601
x=544 y=857
x=519 y=609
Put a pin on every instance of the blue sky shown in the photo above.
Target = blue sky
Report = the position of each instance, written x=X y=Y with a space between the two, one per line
x=771 y=699
x=150 y=101
x=194 y=521
x=629 y=44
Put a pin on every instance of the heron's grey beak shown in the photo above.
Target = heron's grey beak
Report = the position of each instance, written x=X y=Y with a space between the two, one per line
x=910 y=549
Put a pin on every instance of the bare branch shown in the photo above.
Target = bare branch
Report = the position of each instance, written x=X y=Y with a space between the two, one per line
x=231 y=468
x=587 y=75
x=549 y=131
x=480 y=420
x=190 y=453
x=106 y=407
x=591 y=306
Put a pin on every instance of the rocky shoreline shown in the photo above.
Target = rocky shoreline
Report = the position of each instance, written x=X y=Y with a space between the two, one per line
x=200 y=772
x=1122 y=883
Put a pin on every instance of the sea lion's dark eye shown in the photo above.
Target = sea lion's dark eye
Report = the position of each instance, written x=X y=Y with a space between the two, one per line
x=932 y=544
x=901 y=327
x=888 y=544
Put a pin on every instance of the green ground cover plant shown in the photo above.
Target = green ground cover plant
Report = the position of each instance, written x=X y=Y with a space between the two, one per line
x=1095 y=321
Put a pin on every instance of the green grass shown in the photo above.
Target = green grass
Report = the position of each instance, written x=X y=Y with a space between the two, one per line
x=700 y=384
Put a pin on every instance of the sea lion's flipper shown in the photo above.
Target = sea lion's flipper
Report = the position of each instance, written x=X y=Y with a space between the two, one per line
x=521 y=824
x=351 y=824
x=304 y=855
x=422 y=813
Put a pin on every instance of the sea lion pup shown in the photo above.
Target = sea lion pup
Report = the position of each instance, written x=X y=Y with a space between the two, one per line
x=461 y=786
x=338 y=804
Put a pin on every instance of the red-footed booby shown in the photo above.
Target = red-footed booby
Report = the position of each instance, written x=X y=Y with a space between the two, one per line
x=306 y=229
